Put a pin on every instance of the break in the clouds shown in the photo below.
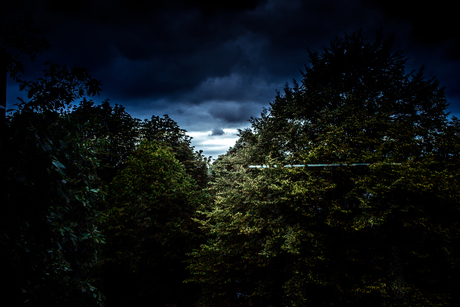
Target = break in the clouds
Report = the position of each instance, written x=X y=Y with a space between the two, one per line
x=212 y=66
x=214 y=145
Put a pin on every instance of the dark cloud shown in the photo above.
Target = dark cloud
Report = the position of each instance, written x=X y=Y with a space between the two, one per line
x=216 y=65
x=217 y=131
x=231 y=112
x=431 y=22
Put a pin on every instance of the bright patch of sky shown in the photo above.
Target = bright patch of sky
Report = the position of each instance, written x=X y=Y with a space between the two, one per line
x=213 y=145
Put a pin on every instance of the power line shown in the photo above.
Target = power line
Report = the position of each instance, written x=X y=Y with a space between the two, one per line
x=321 y=165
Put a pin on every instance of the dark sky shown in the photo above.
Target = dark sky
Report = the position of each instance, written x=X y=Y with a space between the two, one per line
x=211 y=67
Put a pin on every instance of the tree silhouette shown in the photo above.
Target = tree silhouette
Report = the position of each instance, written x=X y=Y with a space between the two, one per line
x=379 y=234
x=48 y=226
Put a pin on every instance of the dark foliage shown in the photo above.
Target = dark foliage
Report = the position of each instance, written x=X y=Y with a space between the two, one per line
x=382 y=233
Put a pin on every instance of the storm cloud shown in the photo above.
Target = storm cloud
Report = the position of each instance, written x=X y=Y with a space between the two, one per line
x=209 y=66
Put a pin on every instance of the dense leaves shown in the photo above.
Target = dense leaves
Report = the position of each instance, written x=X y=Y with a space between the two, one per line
x=381 y=233
x=149 y=230
x=164 y=129
x=355 y=104
x=109 y=131
x=53 y=156
x=59 y=87
x=60 y=153
x=49 y=235
x=99 y=207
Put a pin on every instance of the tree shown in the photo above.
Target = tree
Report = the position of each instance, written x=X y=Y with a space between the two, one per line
x=110 y=132
x=149 y=229
x=382 y=233
x=164 y=129
x=49 y=236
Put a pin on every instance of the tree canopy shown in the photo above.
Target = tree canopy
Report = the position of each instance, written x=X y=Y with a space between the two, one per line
x=60 y=153
x=149 y=229
x=165 y=130
x=100 y=208
x=49 y=223
x=381 y=233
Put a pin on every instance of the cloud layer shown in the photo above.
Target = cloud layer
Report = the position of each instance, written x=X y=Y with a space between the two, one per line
x=213 y=67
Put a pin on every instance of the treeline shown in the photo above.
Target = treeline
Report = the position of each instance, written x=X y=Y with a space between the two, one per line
x=97 y=205
x=100 y=208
